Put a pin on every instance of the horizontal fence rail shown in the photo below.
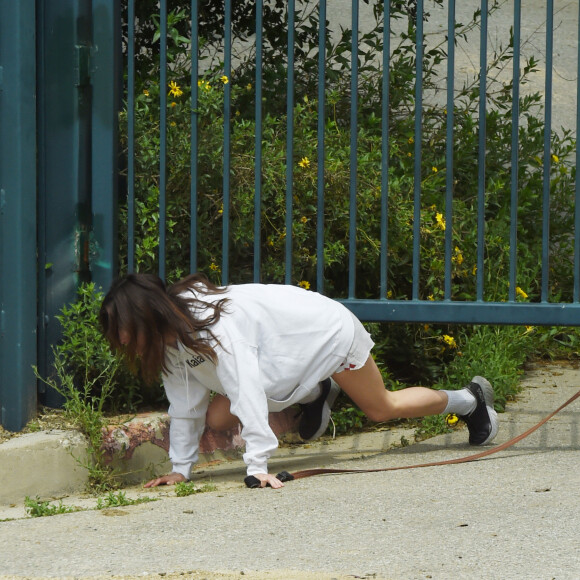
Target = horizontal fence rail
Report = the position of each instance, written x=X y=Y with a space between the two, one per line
x=368 y=152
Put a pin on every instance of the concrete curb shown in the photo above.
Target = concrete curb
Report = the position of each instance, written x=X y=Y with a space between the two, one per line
x=49 y=463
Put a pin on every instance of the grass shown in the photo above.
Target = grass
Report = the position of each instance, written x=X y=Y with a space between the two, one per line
x=37 y=508
x=185 y=488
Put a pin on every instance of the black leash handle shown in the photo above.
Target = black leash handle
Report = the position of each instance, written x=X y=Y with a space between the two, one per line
x=252 y=481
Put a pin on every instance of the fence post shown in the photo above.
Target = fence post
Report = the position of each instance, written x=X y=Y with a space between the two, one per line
x=106 y=81
x=64 y=171
x=18 y=282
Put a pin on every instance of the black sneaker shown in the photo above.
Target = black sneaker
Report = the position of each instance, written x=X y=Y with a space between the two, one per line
x=316 y=415
x=482 y=421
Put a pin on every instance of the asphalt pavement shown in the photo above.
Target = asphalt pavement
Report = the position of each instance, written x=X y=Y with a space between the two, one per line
x=513 y=515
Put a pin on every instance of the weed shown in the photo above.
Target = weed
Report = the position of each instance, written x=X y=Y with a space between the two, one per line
x=36 y=508
x=119 y=499
x=184 y=488
x=85 y=411
x=431 y=426
x=347 y=418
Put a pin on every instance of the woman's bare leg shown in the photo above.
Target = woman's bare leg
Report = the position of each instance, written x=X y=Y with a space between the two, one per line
x=219 y=417
x=366 y=388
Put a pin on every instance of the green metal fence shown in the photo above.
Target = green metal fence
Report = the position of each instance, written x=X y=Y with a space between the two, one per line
x=415 y=306
x=76 y=203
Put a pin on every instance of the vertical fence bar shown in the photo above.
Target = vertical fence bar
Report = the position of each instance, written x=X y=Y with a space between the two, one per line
x=290 y=139
x=577 y=181
x=418 y=138
x=18 y=257
x=514 y=156
x=353 y=151
x=65 y=120
x=449 y=167
x=385 y=150
x=482 y=139
x=162 y=137
x=227 y=141
x=321 y=150
x=547 y=151
x=107 y=80
x=131 y=136
x=258 y=143
x=194 y=136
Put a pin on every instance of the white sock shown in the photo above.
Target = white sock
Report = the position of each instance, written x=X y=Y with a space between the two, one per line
x=460 y=402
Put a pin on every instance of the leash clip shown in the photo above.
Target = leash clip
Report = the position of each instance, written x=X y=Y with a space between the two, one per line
x=252 y=481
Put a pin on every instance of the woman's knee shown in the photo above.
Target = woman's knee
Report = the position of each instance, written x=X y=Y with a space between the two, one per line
x=384 y=411
x=219 y=416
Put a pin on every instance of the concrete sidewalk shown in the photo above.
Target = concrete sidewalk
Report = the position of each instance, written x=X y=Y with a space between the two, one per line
x=512 y=515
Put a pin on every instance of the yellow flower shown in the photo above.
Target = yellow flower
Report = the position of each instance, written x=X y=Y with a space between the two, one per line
x=409 y=155
x=146 y=92
x=214 y=267
x=174 y=104
x=304 y=162
x=520 y=292
x=555 y=159
x=224 y=79
x=431 y=297
x=426 y=328
x=303 y=219
x=434 y=169
x=451 y=419
x=249 y=86
x=390 y=294
x=529 y=329
x=440 y=221
x=411 y=140
x=173 y=124
x=449 y=341
x=474 y=271
x=458 y=258
x=304 y=284
x=174 y=89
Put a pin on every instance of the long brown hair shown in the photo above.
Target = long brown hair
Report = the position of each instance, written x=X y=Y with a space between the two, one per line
x=150 y=314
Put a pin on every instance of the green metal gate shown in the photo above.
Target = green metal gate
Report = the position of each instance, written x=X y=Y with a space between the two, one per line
x=67 y=70
x=59 y=100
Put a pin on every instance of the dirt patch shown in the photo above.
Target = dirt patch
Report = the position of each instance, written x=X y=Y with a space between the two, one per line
x=46 y=420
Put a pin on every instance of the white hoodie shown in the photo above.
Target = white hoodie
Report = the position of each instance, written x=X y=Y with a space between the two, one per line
x=276 y=344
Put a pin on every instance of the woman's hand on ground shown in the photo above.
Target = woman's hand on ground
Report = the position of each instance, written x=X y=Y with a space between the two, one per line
x=266 y=478
x=170 y=479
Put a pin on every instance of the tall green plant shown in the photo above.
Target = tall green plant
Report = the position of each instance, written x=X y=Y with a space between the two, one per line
x=86 y=412
x=84 y=357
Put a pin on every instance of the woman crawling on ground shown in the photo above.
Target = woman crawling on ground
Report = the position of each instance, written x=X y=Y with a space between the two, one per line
x=261 y=348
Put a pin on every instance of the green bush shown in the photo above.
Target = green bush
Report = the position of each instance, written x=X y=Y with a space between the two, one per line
x=209 y=111
x=413 y=353
x=424 y=354
x=85 y=358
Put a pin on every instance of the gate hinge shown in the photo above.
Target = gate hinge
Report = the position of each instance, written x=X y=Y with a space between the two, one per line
x=82 y=65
